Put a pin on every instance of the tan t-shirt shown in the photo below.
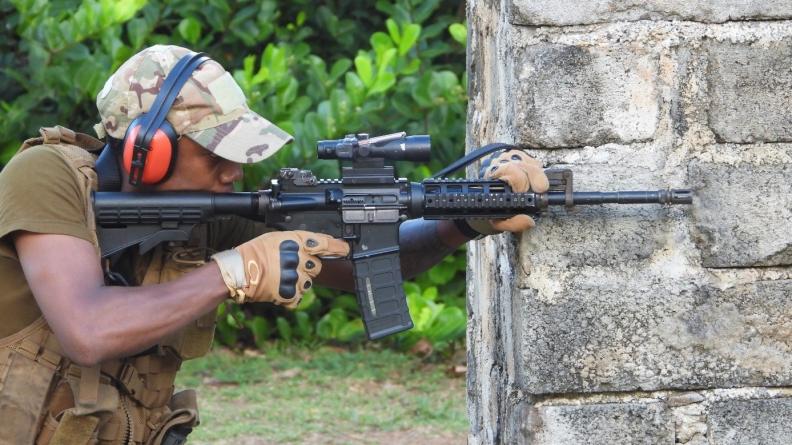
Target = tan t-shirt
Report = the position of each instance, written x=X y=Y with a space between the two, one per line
x=40 y=192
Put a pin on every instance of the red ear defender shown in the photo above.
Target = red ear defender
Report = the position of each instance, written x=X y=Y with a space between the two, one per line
x=161 y=155
x=150 y=141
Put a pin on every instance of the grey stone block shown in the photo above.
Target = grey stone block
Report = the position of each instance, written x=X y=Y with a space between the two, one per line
x=743 y=213
x=596 y=236
x=555 y=12
x=747 y=422
x=750 y=90
x=571 y=96
x=611 y=424
x=647 y=327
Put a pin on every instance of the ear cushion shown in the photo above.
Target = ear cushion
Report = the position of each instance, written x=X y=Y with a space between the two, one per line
x=161 y=156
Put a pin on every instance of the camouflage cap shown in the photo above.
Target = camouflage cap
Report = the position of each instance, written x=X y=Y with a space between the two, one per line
x=211 y=109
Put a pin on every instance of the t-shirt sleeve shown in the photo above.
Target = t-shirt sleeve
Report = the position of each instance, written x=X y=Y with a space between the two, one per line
x=40 y=192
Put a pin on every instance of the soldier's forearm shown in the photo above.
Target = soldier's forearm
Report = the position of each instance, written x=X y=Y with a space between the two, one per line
x=424 y=243
x=127 y=320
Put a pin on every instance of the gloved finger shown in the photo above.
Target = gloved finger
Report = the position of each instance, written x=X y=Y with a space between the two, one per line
x=293 y=295
x=290 y=303
x=520 y=156
x=310 y=265
x=515 y=224
x=537 y=178
x=532 y=168
x=490 y=170
x=482 y=226
x=323 y=245
x=485 y=165
x=514 y=175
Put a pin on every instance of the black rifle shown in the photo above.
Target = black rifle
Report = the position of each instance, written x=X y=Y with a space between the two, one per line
x=365 y=207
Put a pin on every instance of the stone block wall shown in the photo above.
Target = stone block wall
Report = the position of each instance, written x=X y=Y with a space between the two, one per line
x=637 y=324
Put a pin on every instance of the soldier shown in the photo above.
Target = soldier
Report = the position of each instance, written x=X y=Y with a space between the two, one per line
x=85 y=360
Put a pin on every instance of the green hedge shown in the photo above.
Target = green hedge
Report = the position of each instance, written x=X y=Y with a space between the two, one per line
x=319 y=72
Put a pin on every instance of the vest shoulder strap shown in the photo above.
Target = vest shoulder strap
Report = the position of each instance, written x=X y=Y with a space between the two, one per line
x=62 y=135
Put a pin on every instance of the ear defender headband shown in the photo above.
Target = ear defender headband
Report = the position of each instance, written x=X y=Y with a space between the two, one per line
x=150 y=141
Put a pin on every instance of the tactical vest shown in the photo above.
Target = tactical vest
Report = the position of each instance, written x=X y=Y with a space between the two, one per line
x=46 y=399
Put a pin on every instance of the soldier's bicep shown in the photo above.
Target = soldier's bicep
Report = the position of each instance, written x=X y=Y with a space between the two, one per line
x=62 y=271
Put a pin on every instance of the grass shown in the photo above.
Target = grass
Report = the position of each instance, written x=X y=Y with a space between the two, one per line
x=325 y=395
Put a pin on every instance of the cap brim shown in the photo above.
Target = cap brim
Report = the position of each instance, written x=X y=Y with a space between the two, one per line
x=247 y=139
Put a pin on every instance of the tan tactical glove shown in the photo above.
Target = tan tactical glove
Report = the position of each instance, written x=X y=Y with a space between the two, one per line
x=522 y=173
x=276 y=267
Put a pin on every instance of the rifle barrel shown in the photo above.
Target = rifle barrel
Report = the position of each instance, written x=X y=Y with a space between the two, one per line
x=671 y=196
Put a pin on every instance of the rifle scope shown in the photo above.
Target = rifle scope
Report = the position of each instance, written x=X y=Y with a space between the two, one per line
x=395 y=147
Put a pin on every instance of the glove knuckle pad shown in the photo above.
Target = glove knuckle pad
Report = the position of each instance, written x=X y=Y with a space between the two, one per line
x=289 y=257
x=289 y=260
x=288 y=283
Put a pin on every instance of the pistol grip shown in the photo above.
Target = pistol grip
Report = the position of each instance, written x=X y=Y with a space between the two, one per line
x=380 y=295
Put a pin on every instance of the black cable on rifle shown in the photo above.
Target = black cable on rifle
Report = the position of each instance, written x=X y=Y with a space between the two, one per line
x=471 y=157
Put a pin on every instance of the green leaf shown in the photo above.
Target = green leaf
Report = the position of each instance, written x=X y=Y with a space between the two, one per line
x=274 y=59
x=355 y=88
x=384 y=60
x=436 y=49
x=260 y=328
x=231 y=321
x=381 y=42
x=303 y=326
x=314 y=126
x=340 y=104
x=435 y=30
x=422 y=93
x=324 y=329
x=385 y=6
x=6 y=154
x=400 y=13
x=137 y=29
x=261 y=76
x=331 y=323
x=415 y=303
x=384 y=82
x=325 y=112
x=123 y=10
x=411 y=287
x=430 y=293
x=364 y=69
x=410 y=35
x=442 y=273
x=444 y=82
x=309 y=296
x=221 y=5
x=288 y=93
x=459 y=33
x=190 y=30
x=411 y=68
x=298 y=108
x=425 y=9
x=351 y=331
x=393 y=30
x=87 y=78
x=228 y=336
x=284 y=328
x=339 y=68
x=449 y=325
